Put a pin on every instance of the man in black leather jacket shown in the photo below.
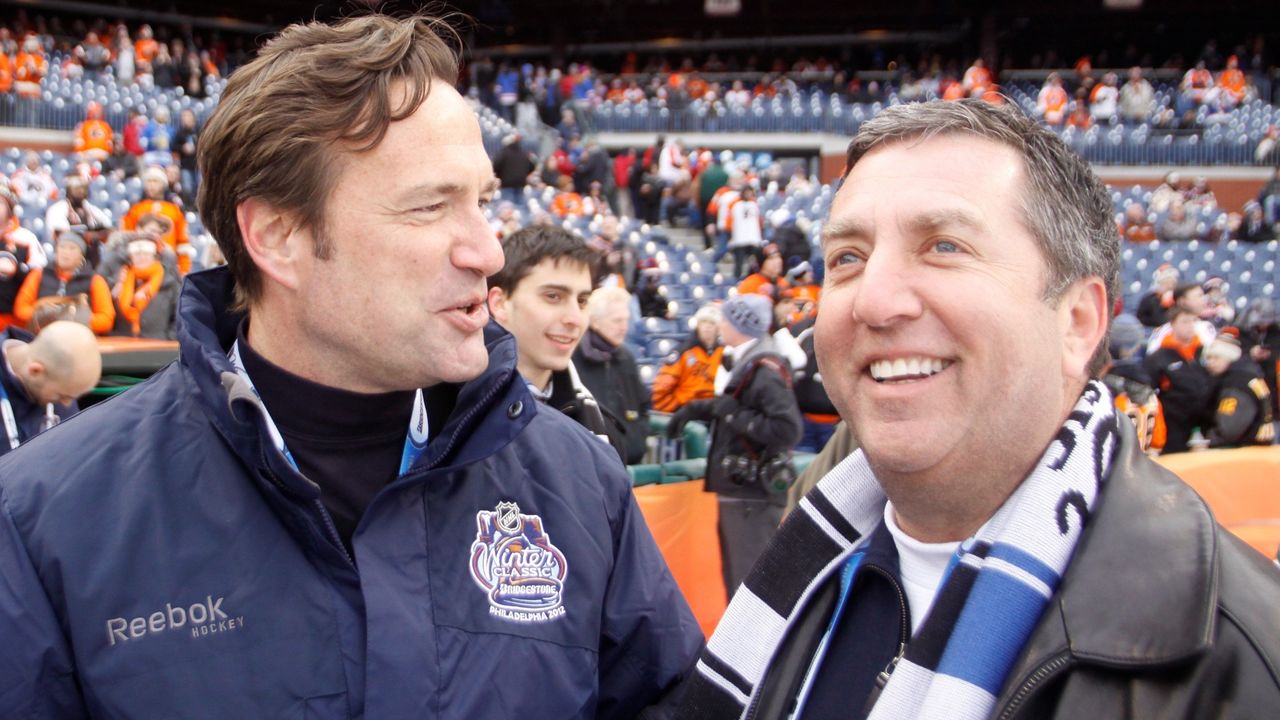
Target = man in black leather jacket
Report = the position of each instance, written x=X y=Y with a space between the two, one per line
x=972 y=263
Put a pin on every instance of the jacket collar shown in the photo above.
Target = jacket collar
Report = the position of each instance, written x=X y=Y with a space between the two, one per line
x=490 y=410
x=1142 y=589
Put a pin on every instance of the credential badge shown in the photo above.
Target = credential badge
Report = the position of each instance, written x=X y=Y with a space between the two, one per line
x=514 y=562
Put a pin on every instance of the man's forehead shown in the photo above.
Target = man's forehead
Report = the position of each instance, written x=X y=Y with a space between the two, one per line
x=930 y=200
x=559 y=272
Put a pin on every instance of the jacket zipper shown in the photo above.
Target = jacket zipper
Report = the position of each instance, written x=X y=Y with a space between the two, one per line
x=1041 y=674
x=332 y=530
x=453 y=439
x=904 y=628
x=882 y=679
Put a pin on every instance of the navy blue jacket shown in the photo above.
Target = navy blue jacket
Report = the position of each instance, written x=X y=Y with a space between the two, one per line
x=29 y=415
x=159 y=559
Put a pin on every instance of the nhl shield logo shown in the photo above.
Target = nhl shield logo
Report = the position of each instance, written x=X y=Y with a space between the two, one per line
x=514 y=562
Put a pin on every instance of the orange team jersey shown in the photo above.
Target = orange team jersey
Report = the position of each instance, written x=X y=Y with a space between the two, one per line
x=93 y=135
x=954 y=91
x=136 y=292
x=713 y=205
x=1198 y=79
x=753 y=282
x=1186 y=350
x=102 y=311
x=175 y=237
x=30 y=68
x=805 y=295
x=1232 y=80
x=691 y=377
x=6 y=73
x=1055 y=102
x=145 y=50
x=566 y=204
x=977 y=77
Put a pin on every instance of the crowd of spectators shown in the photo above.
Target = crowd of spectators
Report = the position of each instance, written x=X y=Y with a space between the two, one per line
x=163 y=57
x=119 y=273
x=522 y=92
x=1176 y=211
x=1191 y=372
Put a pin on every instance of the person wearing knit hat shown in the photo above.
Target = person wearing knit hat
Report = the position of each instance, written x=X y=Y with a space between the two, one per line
x=1242 y=404
x=755 y=422
x=1127 y=336
x=71 y=275
x=750 y=315
x=74 y=239
x=692 y=374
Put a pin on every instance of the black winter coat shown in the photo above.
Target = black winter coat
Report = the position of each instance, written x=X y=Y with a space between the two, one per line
x=766 y=422
x=616 y=385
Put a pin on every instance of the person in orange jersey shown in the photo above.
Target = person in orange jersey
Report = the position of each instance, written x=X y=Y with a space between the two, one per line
x=93 y=135
x=153 y=202
x=70 y=276
x=148 y=295
x=692 y=375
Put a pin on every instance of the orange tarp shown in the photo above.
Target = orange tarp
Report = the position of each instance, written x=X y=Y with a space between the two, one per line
x=683 y=521
x=1241 y=486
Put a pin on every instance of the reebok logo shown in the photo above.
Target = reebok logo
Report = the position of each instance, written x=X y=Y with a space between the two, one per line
x=203 y=618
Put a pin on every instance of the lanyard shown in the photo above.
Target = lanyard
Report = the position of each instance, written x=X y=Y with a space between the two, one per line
x=11 y=422
x=415 y=440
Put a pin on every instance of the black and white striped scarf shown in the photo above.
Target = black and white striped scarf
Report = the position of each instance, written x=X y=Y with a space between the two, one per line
x=986 y=609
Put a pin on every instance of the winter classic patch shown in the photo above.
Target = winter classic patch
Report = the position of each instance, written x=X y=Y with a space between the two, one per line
x=514 y=562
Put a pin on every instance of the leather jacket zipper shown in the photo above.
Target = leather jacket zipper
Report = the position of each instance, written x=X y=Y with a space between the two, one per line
x=882 y=678
x=1041 y=674
x=904 y=629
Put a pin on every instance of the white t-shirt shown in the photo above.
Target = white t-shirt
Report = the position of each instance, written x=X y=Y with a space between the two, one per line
x=922 y=566
x=746 y=224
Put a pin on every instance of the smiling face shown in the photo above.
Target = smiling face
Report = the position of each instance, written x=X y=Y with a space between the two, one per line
x=934 y=340
x=399 y=302
x=546 y=311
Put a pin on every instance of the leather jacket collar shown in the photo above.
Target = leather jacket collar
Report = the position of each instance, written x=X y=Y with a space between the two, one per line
x=1142 y=589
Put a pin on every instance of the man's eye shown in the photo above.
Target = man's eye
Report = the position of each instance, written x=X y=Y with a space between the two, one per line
x=946 y=246
x=485 y=202
x=844 y=259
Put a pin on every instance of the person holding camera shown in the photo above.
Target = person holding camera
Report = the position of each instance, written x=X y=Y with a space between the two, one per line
x=755 y=423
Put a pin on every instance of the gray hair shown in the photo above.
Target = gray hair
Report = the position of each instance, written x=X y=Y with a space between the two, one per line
x=1064 y=205
x=605 y=298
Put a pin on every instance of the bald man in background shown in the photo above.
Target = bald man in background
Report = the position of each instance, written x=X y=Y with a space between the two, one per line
x=43 y=376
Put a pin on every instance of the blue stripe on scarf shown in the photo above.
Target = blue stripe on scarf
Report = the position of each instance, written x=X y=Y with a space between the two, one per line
x=1026 y=561
x=996 y=622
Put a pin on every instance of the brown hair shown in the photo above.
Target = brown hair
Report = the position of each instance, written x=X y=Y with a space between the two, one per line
x=310 y=88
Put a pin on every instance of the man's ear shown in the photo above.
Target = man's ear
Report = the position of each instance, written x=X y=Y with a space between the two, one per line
x=35 y=369
x=1083 y=312
x=498 y=305
x=273 y=240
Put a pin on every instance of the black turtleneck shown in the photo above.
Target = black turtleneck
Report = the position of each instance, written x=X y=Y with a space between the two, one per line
x=348 y=443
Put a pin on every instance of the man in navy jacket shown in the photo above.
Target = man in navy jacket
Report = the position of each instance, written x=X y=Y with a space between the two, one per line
x=341 y=501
